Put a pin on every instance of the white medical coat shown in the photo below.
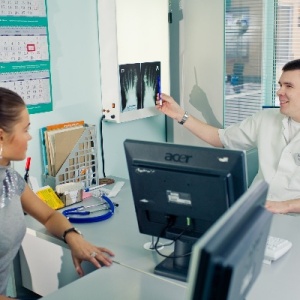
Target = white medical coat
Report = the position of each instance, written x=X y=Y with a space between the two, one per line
x=279 y=161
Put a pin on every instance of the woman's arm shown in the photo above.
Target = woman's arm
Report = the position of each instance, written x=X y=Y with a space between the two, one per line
x=57 y=224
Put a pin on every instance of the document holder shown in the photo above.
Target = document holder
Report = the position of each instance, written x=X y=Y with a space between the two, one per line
x=81 y=164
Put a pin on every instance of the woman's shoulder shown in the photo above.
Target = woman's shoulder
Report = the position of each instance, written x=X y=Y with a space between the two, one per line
x=15 y=179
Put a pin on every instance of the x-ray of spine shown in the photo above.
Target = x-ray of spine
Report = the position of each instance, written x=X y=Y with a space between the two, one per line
x=139 y=85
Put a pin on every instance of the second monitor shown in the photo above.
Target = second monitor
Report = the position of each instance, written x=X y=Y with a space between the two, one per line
x=179 y=191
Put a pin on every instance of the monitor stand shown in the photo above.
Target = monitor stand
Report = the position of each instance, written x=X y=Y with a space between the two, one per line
x=177 y=264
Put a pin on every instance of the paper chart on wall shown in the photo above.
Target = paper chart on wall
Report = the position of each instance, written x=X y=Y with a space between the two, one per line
x=24 y=52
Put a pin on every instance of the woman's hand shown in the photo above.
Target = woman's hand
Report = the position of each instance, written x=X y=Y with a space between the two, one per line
x=84 y=251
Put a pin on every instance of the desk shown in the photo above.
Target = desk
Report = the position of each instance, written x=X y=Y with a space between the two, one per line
x=119 y=282
x=280 y=280
x=135 y=271
x=119 y=233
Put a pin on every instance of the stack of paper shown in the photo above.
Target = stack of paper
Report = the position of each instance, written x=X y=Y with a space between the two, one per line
x=70 y=192
x=57 y=143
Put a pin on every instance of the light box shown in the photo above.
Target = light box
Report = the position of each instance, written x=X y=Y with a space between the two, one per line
x=134 y=57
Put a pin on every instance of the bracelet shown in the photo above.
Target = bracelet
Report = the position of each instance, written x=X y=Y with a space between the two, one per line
x=184 y=118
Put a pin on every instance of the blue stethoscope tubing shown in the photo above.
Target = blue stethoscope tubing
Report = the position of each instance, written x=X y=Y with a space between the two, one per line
x=99 y=218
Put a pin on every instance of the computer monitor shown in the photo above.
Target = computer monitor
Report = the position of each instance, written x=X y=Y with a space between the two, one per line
x=228 y=258
x=179 y=191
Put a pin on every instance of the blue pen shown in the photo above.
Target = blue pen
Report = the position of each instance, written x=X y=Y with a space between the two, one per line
x=159 y=90
x=270 y=106
x=92 y=188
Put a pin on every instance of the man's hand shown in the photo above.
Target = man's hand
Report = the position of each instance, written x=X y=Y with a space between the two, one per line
x=283 y=207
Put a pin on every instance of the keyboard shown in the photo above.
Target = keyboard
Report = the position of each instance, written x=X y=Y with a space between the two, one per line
x=275 y=248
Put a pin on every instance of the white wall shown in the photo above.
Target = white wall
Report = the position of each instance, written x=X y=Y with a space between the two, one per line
x=201 y=64
x=76 y=87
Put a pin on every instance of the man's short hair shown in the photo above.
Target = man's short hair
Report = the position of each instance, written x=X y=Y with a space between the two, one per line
x=292 y=65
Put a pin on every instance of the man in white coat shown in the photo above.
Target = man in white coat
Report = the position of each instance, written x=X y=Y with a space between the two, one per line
x=275 y=133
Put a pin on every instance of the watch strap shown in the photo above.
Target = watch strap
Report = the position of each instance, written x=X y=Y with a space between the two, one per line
x=72 y=229
x=184 y=118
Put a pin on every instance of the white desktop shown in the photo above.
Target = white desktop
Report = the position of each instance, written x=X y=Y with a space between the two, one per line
x=121 y=234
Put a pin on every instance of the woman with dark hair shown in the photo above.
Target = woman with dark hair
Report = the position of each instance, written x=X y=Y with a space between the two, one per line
x=16 y=197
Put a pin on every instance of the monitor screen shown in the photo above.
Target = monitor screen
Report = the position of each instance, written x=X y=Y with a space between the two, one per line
x=228 y=258
x=179 y=191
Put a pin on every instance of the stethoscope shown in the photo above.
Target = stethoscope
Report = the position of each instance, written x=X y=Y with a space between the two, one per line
x=83 y=211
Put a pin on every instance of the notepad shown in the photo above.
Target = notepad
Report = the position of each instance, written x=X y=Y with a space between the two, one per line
x=48 y=195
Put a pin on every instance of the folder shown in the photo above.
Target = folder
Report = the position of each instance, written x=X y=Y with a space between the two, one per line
x=64 y=142
x=45 y=141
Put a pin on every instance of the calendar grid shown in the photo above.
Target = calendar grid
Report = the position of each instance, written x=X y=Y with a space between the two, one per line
x=36 y=8
x=24 y=52
x=32 y=90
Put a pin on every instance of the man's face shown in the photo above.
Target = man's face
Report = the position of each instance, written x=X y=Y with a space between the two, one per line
x=289 y=94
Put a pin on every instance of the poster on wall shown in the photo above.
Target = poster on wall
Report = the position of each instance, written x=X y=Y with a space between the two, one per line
x=139 y=84
x=24 y=52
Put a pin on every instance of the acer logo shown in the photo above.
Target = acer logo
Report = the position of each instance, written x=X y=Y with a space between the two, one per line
x=223 y=159
x=182 y=158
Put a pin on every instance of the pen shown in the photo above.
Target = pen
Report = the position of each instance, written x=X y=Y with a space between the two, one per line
x=270 y=106
x=92 y=188
x=27 y=167
x=159 y=90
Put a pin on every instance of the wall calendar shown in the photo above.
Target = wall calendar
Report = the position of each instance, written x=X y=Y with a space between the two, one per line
x=24 y=52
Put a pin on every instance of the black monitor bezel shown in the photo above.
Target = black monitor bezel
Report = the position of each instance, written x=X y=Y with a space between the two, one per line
x=145 y=157
x=217 y=258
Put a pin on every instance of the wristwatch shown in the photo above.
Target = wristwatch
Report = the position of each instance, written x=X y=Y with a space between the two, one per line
x=184 y=118
x=72 y=229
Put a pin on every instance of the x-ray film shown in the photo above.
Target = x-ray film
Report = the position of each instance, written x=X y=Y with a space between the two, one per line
x=139 y=85
x=150 y=75
x=130 y=82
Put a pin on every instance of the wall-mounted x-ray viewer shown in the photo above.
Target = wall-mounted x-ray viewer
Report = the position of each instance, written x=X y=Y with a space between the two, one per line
x=134 y=57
